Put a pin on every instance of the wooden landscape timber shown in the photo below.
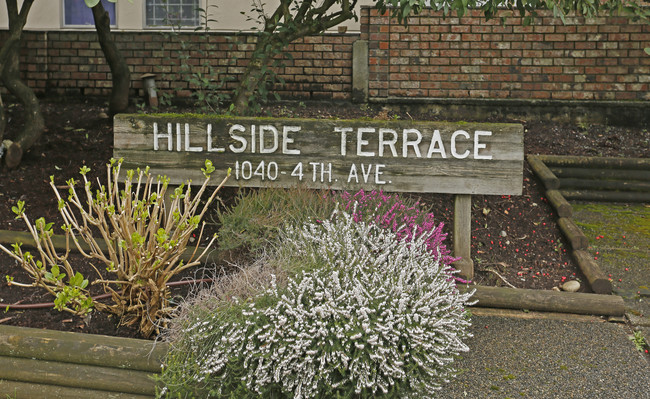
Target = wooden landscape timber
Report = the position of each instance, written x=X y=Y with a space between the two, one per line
x=393 y=156
x=598 y=281
x=600 y=179
x=38 y=363
x=561 y=205
x=606 y=196
x=550 y=181
x=599 y=174
x=596 y=162
x=548 y=301
x=573 y=233
x=43 y=363
x=590 y=179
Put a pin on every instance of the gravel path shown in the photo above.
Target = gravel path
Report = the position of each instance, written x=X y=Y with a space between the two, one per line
x=546 y=358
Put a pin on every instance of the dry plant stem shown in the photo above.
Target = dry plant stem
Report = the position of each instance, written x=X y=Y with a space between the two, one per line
x=501 y=277
x=144 y=242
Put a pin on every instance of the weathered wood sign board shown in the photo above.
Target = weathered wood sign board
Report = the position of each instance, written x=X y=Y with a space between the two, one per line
x=406 y=156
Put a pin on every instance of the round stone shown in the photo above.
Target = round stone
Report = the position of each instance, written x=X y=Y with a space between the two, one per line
x=571 y=286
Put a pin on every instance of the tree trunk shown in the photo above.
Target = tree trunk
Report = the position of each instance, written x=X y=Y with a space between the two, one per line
x=2 y=120
x=249 y=83
x=34 y=123
x=119 y=100
x=10 y=75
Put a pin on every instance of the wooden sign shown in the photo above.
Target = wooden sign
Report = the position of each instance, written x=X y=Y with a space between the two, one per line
x=407 y=156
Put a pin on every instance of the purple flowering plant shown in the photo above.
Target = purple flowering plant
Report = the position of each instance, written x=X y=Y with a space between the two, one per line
x=404 y=217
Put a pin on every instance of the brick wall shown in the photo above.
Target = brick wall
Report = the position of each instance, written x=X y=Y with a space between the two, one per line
x=584 y=59
x=72 y=62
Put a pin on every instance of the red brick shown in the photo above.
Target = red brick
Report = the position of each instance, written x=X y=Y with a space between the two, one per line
x=461 y=29
x=314 y=39
x=551 y=70
x=449 y=37
x=585 y=45
x=555 y=37
x=585 y=61
x=620 y=37
x=582 y=95
x=471 y=37
x=609 y=28
x=640 y=37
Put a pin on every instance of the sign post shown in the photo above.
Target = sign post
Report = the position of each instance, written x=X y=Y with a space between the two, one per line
x=394 y=156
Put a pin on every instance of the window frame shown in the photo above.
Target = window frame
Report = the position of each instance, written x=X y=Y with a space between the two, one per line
x=92 y=24
x=145 y=25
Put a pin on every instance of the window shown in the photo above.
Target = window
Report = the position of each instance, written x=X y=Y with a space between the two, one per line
x=172 y=12
x=76 y=12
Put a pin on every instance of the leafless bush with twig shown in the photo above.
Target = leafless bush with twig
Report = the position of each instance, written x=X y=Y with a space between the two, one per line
x=137 y=236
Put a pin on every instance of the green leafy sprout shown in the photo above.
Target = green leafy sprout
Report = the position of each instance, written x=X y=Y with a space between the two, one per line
x=639 y=340
x=19 y=209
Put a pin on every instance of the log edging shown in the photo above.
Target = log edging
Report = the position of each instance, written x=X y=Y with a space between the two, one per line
x=608 y=179
x=589 y=179
x=548 y=301
x=35 y=363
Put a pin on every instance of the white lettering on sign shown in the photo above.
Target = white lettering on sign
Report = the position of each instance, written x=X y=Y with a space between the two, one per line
x=240 y=139
x=453 y=144
x=210 y=148
x=413 y=143
x=157 y=136
x=388 y=143
x=182 y=138
x=384 y=142
x=286 y=140
x=365 y=142
x=359 y=142
x=478 y=145
x=264 y=170
x=344 y=131
x=264 y=139
x=366 y=170
x=436 y=146
x=320 y=167
x=188 y=147
x=274 y=139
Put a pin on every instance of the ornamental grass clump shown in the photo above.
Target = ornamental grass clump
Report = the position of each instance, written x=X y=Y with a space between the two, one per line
x=366 y=315
x=259 y=215
x=128 y=228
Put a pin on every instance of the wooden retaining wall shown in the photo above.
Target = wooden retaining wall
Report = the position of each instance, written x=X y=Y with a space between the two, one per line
x=38 y=363
x=595 y=178
x=590 y=179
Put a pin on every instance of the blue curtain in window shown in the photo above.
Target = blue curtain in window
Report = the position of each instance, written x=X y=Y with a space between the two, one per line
x=77 y=13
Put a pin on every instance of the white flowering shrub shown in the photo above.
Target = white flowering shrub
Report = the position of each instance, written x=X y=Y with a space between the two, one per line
x=368 y=315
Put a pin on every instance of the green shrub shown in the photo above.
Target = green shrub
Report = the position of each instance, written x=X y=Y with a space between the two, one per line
x=365 y=314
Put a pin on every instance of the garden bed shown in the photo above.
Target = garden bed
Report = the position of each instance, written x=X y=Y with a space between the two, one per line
x=515 y=239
